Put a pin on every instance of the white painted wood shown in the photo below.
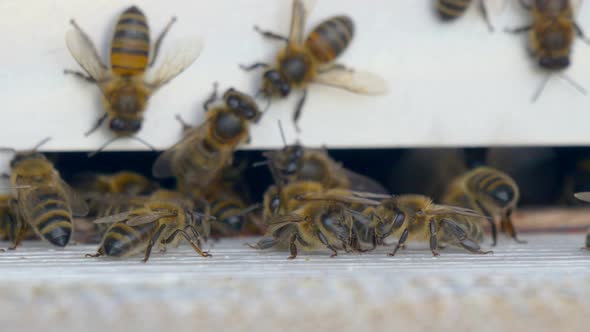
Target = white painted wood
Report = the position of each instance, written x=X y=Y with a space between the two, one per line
x=451 y=84
x=540 y=286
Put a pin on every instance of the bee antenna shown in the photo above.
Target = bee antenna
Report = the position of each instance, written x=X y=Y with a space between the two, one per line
x=40 y=144
x=260 y=163
x=100 y=149
x=574 y=84
x=5 y=149
x=144 y=142
x=541 y=89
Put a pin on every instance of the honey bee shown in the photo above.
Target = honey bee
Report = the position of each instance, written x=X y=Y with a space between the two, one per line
x=449 y=10
x=551 y=36
x=204 y=151
x=123 y=83
x=42 y=200
x=12 y=228
x=161 y=220
x=124 y=182
x=409 y=217
x=585 y=196
x=490 y=192
x=311 y=59
x=309 y=225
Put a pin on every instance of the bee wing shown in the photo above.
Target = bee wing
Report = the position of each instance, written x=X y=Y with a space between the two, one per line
x=177 y=60
x=149 y=218
x=348 y=198
x=162 y=168
x=113 y=218
x=450 y=209
x=362 y=183
x=360 y=82
x=77 y=203
x=584 y=196
x=299 y=14
x=286 y=219
x=83 y=50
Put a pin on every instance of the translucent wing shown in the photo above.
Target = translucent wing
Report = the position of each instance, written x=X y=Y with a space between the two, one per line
x=77 y=204
x=362 y=183
x=338 y=197
x=286 y=219
x=163 y=167
x=356 y=81
x=118 y=217
x=83 y=50
x=177 y=60
x=299 y=14
x=584 y=196
x=449 y=209
x=149 y=217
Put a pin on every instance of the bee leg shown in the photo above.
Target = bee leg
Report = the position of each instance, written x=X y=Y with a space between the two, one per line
x=465 y=242
x=197 y=236
x=484 y=12
x=518 y=30
x=99 y=253
x=264 y=243
x=80 y=75
x=185 y=126
x=271 y=35
x=97 y=125
x=580 y=33
x=298 y=110
x=153 y=240
x=508 y=227
x=254 y=66
x=491 y=220
x=400 y=243
x=323 y=239
x=156 y=49
x=433 y=238
x=189 y=239
x=293 y=247
x=212 y=98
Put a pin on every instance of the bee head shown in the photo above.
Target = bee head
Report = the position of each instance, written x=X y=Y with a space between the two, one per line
x=23 y=157
x=124 y=126
x=553 y=63
x=293 y=160
x=394 y=221
x=276 y=84
x=241 y=104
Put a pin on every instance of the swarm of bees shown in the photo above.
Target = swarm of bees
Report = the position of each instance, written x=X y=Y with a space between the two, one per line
x=314 y=202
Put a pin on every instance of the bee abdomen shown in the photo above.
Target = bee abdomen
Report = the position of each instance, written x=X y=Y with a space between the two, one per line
x=54 y=224
x=330 y=38
x=123 y=240
x=228 y=212
x=451 y=9
x=131 y=43
x=495 y=186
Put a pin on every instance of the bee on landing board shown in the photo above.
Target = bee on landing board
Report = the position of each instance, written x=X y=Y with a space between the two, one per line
x=205 y=150
x=449 y=10
x=123 y=83
x=311 y=60
x=407 y=217
x=164 y=219
x=490 y=192
x=42 y=200
x=551 y=36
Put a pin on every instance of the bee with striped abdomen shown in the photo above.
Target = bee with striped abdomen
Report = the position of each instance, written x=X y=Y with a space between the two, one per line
x=124 y=182
x=311 y=59
x=198 y=159
x=123 y=83
x=449 y=10
x=408 y=217
x=159 y=221
x=489 y=191
x=551 y=36
x=42 y=200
